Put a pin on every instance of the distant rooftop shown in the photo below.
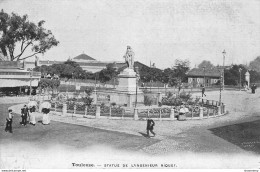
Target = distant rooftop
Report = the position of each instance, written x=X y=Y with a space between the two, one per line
x=83 y=57
x=197 y=72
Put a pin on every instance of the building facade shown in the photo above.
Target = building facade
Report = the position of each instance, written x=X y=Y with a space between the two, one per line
x=14 y=77
x=86 y=62
x=198 y=77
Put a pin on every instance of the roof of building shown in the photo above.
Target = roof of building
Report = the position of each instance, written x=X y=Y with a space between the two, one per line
x=197 y=72
x=10 y=65
x=83 y=57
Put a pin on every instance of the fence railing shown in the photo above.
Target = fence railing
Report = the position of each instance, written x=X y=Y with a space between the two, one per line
x=205 y=109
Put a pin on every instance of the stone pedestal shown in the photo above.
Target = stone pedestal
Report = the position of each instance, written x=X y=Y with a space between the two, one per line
x=64 y=109
x=98 y=112
x=201 y=112
x=219 y=110
x=127 y=81
x=172 y=114
x=127 y=87
x=136 y=114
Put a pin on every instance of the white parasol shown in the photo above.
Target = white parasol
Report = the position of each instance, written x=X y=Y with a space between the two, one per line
x=32 y=103
x=46 y=105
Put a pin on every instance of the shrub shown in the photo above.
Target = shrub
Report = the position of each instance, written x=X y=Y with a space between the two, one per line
x=185 y=97
x=173 y=100
x=87 y=100
x=113 y=103
x=148 y=100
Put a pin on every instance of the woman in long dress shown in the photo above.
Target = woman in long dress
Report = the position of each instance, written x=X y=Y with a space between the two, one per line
x=45 y=118
x=32 y=115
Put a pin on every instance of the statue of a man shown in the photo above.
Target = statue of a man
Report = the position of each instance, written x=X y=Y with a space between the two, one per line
x=129 y=57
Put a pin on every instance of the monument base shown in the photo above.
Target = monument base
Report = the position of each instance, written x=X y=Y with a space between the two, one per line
x=127 y=82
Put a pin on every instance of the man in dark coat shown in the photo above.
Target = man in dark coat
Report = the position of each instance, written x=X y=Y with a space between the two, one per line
x=149 y=127
x=24 y=112
x=9 y=121
x=253 y=88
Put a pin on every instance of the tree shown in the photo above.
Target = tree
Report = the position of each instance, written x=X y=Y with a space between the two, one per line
x=68 y=69
x=180 y=69
x=18 y=31
x=232 y=75
x=254 y=76
x=206 y=64
x=72 y=63
x=107 y=74
x=169 y=77
x=255 y=64
x=46 y=84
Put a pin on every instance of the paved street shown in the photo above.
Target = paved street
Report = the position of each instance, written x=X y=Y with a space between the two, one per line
x=125 y=141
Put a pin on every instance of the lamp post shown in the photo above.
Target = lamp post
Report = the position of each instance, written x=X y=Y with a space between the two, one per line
x=116 y=68
x=95 y=81
x=30 y=82
x=240 y=79
x=72 y=75
x=224 y=55
x=137 y=78
x=204 y=81
x=220 y=85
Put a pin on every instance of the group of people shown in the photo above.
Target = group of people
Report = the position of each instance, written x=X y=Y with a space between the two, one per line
x=28 y=115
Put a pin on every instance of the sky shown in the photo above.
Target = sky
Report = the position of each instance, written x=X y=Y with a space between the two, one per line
x=159 y=31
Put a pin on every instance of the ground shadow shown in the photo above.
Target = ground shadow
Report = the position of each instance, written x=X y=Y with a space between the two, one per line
x=245 y=135
x=144 y=134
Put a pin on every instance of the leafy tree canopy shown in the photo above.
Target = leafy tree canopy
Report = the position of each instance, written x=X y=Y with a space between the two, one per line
x=107 y=74
x=206 y=64
x=49 y=83
x=234 y=74
x=19 y=34
x=255 y=64
x=68 y=69
x=180 y=69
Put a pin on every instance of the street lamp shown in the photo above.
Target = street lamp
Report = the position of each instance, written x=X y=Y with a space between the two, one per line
x=220 y=84
x=30 y=82
x=116 y=68
x=224 y=55
x=137 y=78
x=204 y=76
x=240 y=79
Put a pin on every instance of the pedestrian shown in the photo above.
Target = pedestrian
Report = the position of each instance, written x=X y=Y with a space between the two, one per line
x=24 y=115
x=32 y=115
x=45 y=117
x=179 y=88
x=253 y=88
x=9 y=121
x=203 y=91
x=149 y=127
x=182 y=113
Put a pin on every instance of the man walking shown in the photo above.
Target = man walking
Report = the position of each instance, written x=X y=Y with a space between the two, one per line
x=203 y=91
x=9 y=121
x=149 y=127
x=253 y=88
x=24 y=112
